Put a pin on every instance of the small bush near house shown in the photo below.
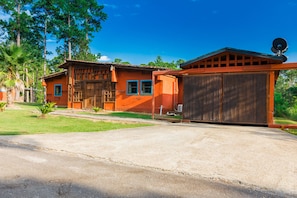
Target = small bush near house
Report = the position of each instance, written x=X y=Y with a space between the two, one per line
x=2 y=106
x=96 y=109
x=47 y=108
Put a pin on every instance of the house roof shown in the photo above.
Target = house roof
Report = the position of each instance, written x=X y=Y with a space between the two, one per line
x=235 y=51
x=116 y=65
x=54 y=75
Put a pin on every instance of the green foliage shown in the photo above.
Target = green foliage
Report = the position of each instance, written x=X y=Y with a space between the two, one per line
x=119 y=61
x=12 y=60
x=285 y=97
x=97 y=109
x=160 y=63
x=47 y=108
x=2 y=106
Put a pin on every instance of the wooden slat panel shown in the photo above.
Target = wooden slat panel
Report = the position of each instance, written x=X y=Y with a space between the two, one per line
x=202 y=95
x=245 y=98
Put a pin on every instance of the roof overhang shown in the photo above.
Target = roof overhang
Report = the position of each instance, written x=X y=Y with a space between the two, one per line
x=57 y=74
x=277 y=59
x=69 y=63
x=242 y=69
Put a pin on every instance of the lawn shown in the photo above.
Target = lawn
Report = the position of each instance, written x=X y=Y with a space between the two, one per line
x=121 y=115
x=279 y=120
x=136 y=115
x=26 y=121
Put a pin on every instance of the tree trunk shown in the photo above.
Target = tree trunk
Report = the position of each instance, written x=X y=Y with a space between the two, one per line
x=9 y=97
x=18 y=41
x=44 y=64
x=27 y=86
x=69 y=39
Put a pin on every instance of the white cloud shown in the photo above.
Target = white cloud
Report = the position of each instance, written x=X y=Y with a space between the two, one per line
x=104 y=59
x=50 y=41
x=110 y=6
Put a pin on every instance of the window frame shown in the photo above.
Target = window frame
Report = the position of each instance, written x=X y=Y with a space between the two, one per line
x=141 y=87
x=137 y=87
x=61 y=91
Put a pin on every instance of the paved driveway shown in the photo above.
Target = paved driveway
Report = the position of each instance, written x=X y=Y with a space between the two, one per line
x=251 y=156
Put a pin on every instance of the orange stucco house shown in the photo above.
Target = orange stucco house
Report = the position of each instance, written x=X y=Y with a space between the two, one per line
x=111 y=86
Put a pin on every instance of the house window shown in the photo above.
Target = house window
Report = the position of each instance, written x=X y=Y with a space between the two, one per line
x=58 y=90
x=146 y=87
x=132 y=87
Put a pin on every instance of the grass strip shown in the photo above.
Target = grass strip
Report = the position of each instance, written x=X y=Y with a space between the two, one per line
x=19 y=122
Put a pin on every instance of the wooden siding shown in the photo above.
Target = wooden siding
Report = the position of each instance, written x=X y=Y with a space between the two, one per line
x=202 y=95
x=226 y=98
x=229 y=59
x=244 y=98
x=92 y=87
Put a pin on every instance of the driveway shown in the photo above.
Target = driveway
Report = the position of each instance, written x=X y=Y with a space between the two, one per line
x=248 y=156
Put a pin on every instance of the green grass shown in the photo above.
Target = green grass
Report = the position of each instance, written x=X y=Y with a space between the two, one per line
x=122 y=115
x=279 y=120
x=27 y=121
x=130 y=115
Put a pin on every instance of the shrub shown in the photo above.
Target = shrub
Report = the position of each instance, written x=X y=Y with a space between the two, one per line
x=96 y=109
x=2 y=106
x=47 y=108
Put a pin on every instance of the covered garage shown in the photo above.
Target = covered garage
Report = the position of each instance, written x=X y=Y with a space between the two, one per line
x=229 y=86
x=228 y=98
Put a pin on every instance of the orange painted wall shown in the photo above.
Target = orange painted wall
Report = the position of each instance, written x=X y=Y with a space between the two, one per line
x=166 y=93
x=3 y=96
x=50 y=84
x=125 y=102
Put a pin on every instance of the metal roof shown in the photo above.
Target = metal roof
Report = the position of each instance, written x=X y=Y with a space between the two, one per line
x=233 y=50
x=116 y=65
x=54 y=75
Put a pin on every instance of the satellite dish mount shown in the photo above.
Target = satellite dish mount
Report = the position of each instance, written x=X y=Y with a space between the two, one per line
x=279 y=47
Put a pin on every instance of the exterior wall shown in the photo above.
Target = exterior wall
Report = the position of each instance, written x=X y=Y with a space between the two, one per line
x=50 y=84
x=166 y=93
x=90 y=86
x=137 y=102
x=3 y=96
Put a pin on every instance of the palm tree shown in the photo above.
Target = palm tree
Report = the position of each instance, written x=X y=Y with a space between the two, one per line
x=12 y=59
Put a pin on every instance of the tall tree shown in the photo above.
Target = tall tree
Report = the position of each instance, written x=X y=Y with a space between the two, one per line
x=76 y=22
x=12 y=59
x=19 y=18
x=92 y=15
x=66 y=27
x=44 y=12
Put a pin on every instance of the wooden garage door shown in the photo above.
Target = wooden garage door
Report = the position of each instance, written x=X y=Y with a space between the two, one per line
x=245 y=98
x=226 y=98
x=202 y=95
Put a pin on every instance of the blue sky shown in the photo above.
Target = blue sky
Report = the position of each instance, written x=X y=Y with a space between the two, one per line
x=138 y=31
